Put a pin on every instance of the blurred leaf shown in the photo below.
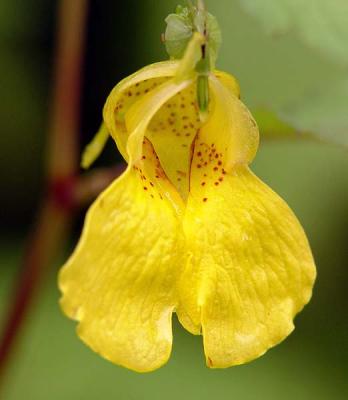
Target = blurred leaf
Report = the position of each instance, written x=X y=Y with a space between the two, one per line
x=21 y=20
x=271 y=127
x=321 y=115
x=322 y=24
x=323 y=112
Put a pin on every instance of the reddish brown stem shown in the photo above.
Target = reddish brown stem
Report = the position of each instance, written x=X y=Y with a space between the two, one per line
x=62 y=152
x=91 y=184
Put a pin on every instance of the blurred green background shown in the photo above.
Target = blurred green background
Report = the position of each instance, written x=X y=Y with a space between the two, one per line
x=273 y=71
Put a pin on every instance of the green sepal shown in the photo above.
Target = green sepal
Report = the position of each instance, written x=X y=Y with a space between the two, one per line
x=214 y=38
x=182 y=24
x=178 y=33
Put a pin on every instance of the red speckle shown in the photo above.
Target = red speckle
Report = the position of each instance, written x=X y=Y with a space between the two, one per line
x=205 y=199
x=145 y=188
x=220 y=162
x=203 y=183
x=216 y=168
x=216 y=183
x=199 y=166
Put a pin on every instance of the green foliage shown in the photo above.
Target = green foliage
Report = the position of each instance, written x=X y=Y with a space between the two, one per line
x=324 y=113
x=322 y=25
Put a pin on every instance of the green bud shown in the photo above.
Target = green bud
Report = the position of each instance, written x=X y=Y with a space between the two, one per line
x=214 y=38
x=178 y=32
x=182 y=24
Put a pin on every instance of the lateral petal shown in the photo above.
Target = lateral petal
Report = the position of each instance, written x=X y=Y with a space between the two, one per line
x=120 y=282
x=252 y=264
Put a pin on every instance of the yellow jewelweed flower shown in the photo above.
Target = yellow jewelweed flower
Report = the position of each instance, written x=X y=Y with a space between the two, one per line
x=187 y=228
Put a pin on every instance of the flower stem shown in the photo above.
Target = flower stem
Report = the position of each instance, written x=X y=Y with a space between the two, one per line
x=63 y=151
x=62 y=164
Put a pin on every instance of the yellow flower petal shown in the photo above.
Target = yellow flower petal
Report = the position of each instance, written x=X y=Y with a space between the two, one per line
x=231 y=127
x=251 y=268
x=120 y=281
x=172 y=132
x=130 y=90
x=229 y=82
